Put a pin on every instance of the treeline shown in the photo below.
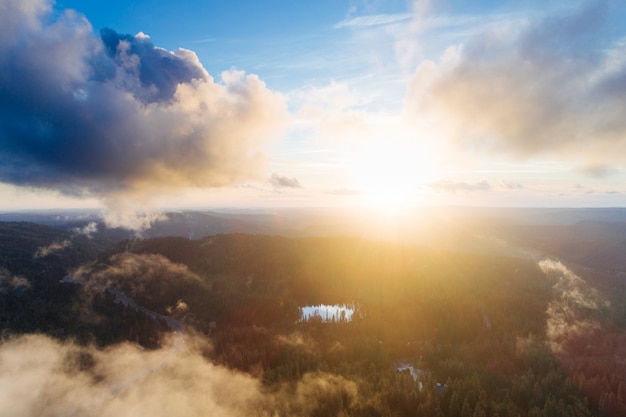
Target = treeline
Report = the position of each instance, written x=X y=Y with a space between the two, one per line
x=473 y=325
x=23 y=244
x=33 y=300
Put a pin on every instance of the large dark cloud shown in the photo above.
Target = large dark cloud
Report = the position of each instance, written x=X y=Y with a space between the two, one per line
x=549 y=86
x=114 y=115
x=156 y=72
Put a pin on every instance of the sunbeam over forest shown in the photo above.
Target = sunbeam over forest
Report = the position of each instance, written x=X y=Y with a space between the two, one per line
x=332 y=208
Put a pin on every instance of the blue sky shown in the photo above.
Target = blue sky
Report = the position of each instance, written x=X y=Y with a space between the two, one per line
x=373 y=103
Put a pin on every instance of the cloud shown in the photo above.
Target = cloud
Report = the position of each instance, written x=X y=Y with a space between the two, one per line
x=509 y=185
x=57 y=246
x=572 y=296
x=570 y=286
x=87 y=230
x=317 y=393
x=181 y=307
x=114 y=115
x=554 y=86
x=42 y=377
x=334 y=111
x=150 y=280
x=598 y=170
x=12 y=283
x=130 y=213
x=284 y=182
x=373 y=20
x=454 y=186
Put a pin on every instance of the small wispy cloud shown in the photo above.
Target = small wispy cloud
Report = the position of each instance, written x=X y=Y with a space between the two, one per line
x=9 y=282
x=279 y=181
x=510 y=185
x=598 y=170
x=460 y=186
x=56 y=246
x=572 y=295
x=43 y=376
x=204 y=40
x=87 y=230
x=373 y=20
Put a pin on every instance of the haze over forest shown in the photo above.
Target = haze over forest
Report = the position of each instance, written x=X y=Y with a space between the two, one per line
x=457 y=312
x=330 y=208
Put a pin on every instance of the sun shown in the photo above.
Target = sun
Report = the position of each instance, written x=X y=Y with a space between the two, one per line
x=391 y=174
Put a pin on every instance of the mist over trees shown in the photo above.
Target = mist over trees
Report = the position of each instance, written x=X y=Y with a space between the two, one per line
x=477 y=329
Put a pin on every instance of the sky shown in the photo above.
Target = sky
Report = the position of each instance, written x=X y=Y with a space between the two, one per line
x=140 y=106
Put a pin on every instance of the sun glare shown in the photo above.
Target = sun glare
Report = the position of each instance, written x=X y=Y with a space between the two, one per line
x=390 y=174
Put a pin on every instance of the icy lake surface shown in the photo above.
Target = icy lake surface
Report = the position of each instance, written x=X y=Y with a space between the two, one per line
x=328 y=313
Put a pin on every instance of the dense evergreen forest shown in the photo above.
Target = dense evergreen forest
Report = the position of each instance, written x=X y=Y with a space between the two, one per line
x=477 y=330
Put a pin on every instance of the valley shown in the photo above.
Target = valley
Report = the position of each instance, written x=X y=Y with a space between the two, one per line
x=483 y=332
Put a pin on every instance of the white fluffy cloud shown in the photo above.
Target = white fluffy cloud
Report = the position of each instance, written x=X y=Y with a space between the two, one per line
x=42 y=377
x=554 y=86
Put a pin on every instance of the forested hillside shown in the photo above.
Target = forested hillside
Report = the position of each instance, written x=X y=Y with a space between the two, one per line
x=477 y=330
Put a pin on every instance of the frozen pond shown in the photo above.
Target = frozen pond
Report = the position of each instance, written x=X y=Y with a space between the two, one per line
x=328 y=313
x=415 y=373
